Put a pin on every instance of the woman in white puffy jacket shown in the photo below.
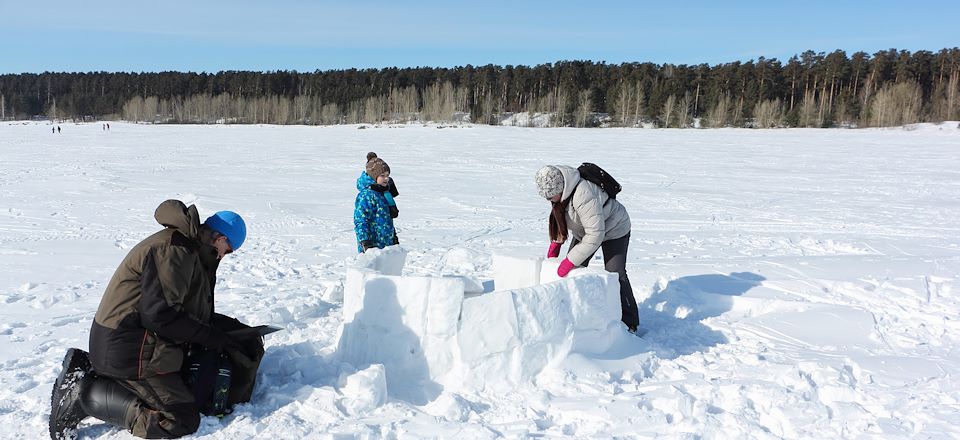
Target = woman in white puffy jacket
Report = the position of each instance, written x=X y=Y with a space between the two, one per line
x=583 y=210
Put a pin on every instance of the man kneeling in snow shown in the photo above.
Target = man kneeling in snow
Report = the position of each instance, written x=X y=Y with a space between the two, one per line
x=159 y=355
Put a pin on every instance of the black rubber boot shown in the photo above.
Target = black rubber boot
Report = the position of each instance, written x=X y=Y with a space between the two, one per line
x=109 y=401
x=65 y=410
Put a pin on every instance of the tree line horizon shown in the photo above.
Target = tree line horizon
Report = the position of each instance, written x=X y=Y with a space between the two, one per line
x=813 y=89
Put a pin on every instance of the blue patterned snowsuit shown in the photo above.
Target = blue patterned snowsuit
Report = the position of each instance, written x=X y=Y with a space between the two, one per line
x=371 y=216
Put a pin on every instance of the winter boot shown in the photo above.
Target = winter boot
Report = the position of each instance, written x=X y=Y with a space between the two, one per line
x=109 y=401
x=65 y=410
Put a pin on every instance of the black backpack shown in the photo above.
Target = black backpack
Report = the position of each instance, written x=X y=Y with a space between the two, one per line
x=593 y=173
x=207 y=374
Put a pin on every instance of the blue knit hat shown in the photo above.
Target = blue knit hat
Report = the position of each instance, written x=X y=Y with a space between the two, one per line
x=230 y=225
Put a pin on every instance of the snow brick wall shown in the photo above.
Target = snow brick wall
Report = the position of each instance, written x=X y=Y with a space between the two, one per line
x=430 y=335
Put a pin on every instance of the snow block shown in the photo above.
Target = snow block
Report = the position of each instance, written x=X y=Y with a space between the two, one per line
x=595 y=295
x=536 y=326
x=513 y=272
x=595 y=298
x=428 y=335
x=489 y=336
x=364 y=390
x=408 y=324
x=595 y=305
x=471 y=285
x=549 y=266
x=546 y=327
x=387 y=261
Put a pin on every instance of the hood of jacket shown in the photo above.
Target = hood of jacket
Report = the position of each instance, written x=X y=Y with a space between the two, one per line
x=571 y=177
x=364 y=181
x=174 y=214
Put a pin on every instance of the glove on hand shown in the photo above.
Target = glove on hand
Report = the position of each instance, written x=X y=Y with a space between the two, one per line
x=554 y=250
x=218 y=340
x=394 y=212
x=565 y=267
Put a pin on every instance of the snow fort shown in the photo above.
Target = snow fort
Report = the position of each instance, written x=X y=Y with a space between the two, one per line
x=446 y=333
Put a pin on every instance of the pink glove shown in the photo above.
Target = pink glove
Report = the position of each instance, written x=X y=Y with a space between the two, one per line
x=564 y=268
x=554 y=250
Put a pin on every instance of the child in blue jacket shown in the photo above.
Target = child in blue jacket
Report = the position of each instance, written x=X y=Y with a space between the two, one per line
x=373 y=213
x=392 y=190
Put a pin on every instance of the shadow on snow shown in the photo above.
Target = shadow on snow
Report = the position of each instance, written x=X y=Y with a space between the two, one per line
x=672 y=316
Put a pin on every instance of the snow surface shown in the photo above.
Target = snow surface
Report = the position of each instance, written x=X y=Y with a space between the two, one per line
x=793 y=283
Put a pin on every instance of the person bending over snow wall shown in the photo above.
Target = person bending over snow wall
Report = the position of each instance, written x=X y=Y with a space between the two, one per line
x=372 y=220
x=157 y=349
x=595 y=220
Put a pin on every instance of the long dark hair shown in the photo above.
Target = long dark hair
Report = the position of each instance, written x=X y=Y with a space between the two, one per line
x=557 y=222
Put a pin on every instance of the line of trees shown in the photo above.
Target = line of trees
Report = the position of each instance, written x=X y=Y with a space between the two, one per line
x=891 y=87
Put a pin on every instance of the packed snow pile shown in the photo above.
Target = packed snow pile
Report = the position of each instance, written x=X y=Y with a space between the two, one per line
x=436 y=333
x=527 y=119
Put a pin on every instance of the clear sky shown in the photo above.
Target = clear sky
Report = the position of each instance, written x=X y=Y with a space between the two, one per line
x=209 y=36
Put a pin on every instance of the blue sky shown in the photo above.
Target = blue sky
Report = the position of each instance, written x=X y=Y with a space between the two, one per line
x=301 y=35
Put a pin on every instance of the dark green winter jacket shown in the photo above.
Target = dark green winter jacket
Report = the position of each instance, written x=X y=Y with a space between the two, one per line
x=159 y=300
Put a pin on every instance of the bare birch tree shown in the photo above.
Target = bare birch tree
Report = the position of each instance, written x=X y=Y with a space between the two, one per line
x=946 y=99
x=842 y=113
x=402 y=104
x=720 y=114
x=133 y=109
x=952 y=112
x=768 y=114
x=683 y=110
x=330 y=114
x=668 y=110
x=638 y=104
x=150 y=109
x=629 y=103
x=625 y=97
x=52 y=110
x=896 y=104
x=442 y=101
x=374 y=109
x=584 y=107
x=284 y=109
x=433 y=103
x=560 y=109
x=301 y=109
x=354 y=112
x=808 y=110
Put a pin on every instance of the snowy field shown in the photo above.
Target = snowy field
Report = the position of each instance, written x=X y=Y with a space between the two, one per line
x=794 y=283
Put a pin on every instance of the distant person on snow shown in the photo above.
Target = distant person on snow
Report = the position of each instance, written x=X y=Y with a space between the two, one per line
x=157 y=349
x=372 y=213
x=595 y=221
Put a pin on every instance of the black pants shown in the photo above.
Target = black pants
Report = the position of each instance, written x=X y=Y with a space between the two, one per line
x=166 y=408
x=615 y=260
x=169 y=408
